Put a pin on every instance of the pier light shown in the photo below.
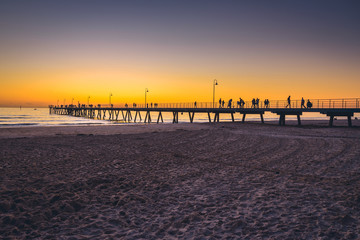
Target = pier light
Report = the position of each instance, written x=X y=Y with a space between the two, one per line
x=214 y=84
x=110 y=95
x=146 y=91
x=88 y=100
x=72 y=101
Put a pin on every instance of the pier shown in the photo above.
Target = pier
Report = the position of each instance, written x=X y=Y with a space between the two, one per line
x=332 y=108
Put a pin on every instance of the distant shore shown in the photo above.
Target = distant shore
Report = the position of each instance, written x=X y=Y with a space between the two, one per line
x=223 y=180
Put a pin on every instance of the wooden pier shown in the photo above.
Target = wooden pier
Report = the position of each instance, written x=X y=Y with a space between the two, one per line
x=122 y=112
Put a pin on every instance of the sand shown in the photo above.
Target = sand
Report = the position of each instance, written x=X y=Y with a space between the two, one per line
x=201 y=181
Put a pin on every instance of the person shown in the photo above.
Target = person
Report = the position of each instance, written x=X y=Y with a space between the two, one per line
x=257 y=102
x=309 y=104
x=266 y=103
x=220 y=102
x=302 y=103
x=289 y=102
x=242 y=102
x=195 y=104
x=223 y=103
x=253 y=103
x=229 y=103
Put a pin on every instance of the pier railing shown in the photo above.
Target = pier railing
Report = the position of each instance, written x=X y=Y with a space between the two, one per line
x=345 y=103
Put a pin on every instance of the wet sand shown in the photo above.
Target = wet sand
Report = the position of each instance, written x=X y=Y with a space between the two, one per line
x=225 y=180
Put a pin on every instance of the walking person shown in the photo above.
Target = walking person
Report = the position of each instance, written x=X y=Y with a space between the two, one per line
x=289 y=102
x=220 y=103
x=230 y=103
x=302 y=103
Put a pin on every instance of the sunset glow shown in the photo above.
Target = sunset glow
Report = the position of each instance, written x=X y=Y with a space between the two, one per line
x=56 y=51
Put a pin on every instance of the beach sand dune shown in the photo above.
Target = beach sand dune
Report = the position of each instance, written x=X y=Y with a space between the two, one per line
x=227 y=180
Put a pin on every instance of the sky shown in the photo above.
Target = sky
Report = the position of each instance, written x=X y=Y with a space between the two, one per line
x=56 y=51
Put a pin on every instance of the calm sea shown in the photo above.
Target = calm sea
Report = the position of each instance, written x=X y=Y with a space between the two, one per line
x=16 y=117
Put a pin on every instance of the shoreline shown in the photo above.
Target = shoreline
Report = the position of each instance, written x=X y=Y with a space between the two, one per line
x=134 y=128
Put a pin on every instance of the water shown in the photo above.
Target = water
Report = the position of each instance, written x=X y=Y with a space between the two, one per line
x=16 y=117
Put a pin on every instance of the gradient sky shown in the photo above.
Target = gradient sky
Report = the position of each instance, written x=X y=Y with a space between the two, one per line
x=52 y=50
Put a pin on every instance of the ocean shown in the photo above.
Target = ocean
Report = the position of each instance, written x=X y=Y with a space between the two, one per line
x=16 y=117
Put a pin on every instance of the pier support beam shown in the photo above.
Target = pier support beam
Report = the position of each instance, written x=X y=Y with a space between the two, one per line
x=342 y=113
x=176 y=117
x=244 y=115
x=216 y=117
x=262 y=118
x=282 y=115
x=137 y=112
x=209 y=117
x=147 y=117
x=191 y=116
x=160 y=116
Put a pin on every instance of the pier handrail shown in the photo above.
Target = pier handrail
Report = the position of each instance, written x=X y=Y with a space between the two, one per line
x=343 y=103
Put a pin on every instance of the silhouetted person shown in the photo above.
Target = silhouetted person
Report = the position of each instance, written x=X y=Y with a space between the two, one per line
x=147 y=105
x=302 y=103
x=257 y=102
x=266 y=103
x=289 y=102
x=309 y=104
x=253 y=103
x=242 y=103
x=230 y=103
x=220 y=102
x=195 y=104
x=223 y=103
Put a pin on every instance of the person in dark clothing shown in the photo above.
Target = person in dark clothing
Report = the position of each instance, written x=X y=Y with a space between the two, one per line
x=302 y=103
x=288 y=102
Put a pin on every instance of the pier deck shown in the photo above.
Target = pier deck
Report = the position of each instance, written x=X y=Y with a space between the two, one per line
x=329 y=107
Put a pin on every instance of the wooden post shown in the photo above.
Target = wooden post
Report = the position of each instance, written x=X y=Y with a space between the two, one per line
x=299 y=120
x=331 y=120
x=244 y=115
x=232 y=117
x=262 y=118
x=135 y=116
x=349 y=121
x=209 y=117
x=126 y=116
x=160 y=115
x=282 y=119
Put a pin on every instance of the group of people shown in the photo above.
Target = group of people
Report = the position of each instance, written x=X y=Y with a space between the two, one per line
x=255 y=103
x=308 y=103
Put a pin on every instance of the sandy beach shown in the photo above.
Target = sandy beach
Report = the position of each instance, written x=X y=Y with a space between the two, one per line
x=180 y=181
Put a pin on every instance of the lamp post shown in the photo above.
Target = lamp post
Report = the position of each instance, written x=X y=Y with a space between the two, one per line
x=72 y=101
x=88 y=100
x=146 y=91
x=110 y=98
x=57 y=103
x=214 y=84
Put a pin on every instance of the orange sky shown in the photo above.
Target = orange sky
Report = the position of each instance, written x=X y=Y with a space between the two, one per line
x=177 y=63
